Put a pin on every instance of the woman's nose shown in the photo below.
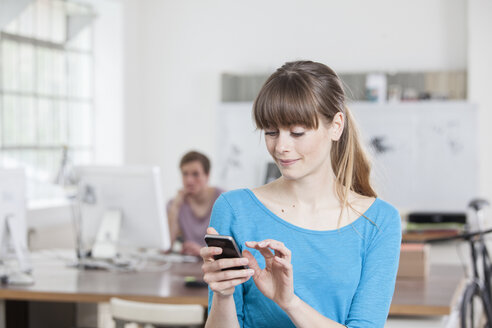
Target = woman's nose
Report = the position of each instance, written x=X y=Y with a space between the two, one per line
x=283 y=143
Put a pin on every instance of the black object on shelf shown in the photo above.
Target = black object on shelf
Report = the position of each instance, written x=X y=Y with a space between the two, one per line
x=437 y=217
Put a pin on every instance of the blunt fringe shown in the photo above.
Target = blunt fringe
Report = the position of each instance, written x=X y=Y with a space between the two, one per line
x=305 y=93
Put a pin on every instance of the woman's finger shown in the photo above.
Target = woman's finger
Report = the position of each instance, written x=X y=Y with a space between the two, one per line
x=253 y=264
x=261 y=246
x=212 y=231
x=279 y=248
x=217 y=276
x=207 y=253
x=219 y=286
x=284 y=264
x=251 y=244
x=225 y=263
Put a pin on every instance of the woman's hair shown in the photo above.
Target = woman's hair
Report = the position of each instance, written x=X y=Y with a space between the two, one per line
x=302 y=93
x=194 y=156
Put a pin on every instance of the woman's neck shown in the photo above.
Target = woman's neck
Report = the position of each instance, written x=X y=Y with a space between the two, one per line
x=311 y=191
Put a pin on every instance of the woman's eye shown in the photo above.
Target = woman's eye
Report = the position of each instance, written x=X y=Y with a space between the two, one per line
x=297 y=134
x=271 y=133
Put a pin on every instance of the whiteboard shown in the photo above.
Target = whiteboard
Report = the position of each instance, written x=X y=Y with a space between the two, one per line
x=424 y=155
x=430 y=161
x=242 y=153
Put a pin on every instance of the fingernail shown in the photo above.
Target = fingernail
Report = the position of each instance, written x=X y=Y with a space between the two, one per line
x=250 y=272
x=262 y=244
x=244 y=260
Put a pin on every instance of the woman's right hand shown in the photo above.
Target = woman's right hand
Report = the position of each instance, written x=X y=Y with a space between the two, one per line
x=222 y=282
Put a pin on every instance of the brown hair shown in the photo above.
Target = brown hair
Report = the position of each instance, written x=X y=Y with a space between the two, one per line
x=193 y=156
x=302 y=93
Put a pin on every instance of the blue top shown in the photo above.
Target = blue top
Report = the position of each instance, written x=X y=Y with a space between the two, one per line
x=346 y=274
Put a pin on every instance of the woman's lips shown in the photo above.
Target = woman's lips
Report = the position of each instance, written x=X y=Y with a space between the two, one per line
x=287 y=162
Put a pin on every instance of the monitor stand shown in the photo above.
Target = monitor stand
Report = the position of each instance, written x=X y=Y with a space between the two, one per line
x=104 y=252
x=21 y=275
x=105 y=246
x=17 y=278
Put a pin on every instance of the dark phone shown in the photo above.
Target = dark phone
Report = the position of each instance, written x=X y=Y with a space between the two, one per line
x=229 y=248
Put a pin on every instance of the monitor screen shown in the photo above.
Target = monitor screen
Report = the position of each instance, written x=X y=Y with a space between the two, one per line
x=134 y=191
x=272 y=172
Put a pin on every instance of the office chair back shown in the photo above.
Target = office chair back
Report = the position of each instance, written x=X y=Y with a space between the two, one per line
x=158 y=315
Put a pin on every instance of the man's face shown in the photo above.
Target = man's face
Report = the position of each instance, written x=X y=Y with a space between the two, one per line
x=194 y=177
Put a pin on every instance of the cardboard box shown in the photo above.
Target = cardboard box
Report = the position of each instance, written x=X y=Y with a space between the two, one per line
x=414 y=261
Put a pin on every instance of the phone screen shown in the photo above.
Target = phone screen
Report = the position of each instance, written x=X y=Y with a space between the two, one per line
x=229 y=248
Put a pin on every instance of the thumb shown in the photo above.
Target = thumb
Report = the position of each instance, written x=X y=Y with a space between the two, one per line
x=252 y=263
x=212 y=231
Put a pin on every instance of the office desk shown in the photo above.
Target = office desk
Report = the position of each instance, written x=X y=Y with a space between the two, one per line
x=433 y=296
x=55 y=281
x=58 y=283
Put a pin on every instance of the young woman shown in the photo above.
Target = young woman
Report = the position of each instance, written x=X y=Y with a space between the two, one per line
x=323 y=249
x=189 y=211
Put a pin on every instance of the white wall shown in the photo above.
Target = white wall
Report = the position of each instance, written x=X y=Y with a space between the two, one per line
x=176 y=51
x=109 y=86
x=108 y=46
x=135 y=136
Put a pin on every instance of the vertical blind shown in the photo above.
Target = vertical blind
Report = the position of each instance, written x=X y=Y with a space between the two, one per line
x=46 y=92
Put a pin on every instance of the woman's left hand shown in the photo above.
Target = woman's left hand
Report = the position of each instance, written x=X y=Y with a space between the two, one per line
x=276 y=280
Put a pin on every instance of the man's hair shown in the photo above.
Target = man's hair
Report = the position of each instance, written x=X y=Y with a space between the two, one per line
x=194 y=156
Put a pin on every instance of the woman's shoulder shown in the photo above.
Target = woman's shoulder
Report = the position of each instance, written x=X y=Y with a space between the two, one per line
x=235 y=204
x=218 y=190
x=383 y=207
x=235 y=197
x=385 y=215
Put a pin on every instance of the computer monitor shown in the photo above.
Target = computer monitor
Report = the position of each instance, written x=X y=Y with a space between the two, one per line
x=272 y=172
x=130 y=199
x=13 y=226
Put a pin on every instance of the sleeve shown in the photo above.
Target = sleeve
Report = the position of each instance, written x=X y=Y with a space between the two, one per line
x=372 y=299
x=168 y=205
x=221 y=220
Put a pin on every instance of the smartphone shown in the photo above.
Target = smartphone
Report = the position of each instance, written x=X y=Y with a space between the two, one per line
x=229 y=248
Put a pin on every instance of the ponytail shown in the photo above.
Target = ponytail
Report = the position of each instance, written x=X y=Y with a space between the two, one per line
x=350 y=164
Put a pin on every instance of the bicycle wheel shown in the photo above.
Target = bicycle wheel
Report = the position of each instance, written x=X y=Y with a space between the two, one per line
x=475 y=308
x=487 y=267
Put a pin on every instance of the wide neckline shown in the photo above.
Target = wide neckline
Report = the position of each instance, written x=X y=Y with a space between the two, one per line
x=293 y=226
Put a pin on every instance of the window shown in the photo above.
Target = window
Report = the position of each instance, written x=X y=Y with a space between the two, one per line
x=46 y=96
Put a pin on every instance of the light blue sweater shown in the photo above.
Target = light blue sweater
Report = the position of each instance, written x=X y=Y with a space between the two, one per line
x=348 y=275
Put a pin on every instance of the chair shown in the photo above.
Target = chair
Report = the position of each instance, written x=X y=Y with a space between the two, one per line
x=157 y=315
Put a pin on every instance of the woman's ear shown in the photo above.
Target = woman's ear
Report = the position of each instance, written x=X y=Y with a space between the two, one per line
x=337 y=125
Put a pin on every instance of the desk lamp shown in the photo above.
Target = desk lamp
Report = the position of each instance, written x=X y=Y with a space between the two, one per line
x=67 y=179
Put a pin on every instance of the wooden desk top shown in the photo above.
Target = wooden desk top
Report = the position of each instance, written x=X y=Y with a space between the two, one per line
x=434 y=295
x=55 y=281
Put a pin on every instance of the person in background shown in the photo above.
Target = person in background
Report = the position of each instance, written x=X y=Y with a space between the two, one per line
x=189 y=211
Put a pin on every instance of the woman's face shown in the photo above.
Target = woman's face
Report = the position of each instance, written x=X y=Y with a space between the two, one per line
x=300 y=152
x=194 y=177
